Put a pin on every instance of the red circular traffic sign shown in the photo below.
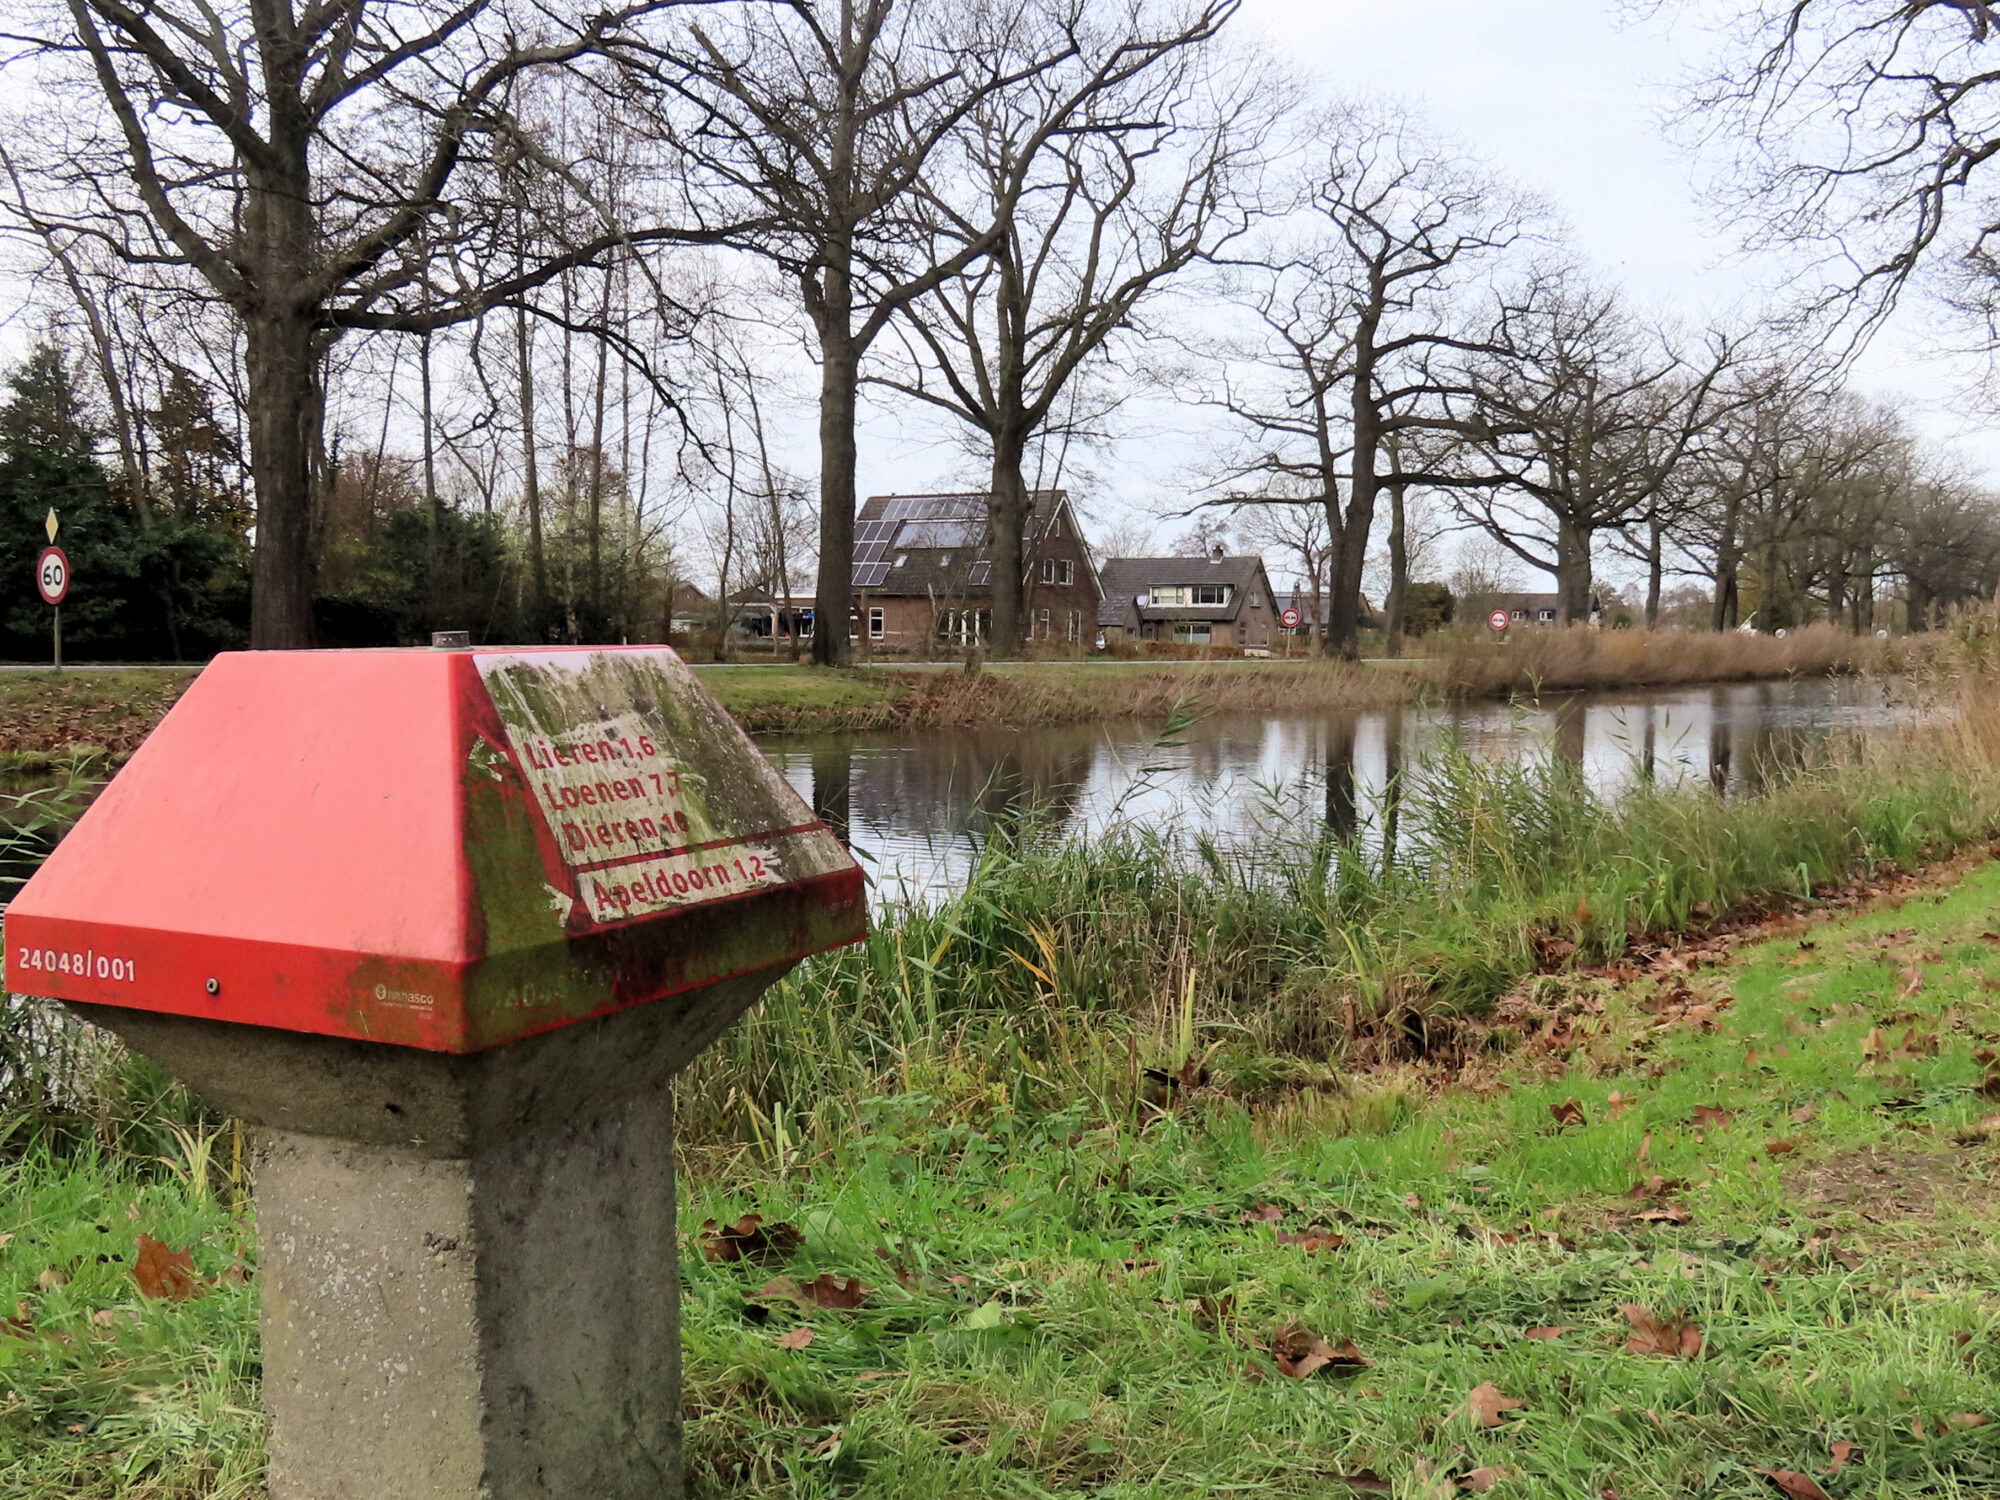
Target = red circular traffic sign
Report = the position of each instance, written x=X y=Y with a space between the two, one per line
x=52 y=575
x=1498 y=619
x=1289 y=619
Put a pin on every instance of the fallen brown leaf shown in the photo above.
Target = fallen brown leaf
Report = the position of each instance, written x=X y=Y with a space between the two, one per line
x=1479 y=1481
x=163 y=1273
x=1299 y=1352
x=1805 y=1114
x=1618 y=1104
x=797 y=1338
x=1670 y=1338
x=1312 y=1244
x=1666 y=1213
x=1710 y=1117
x=1264 y=1213
x=1842 y=1452
x=1656 y=1186
x=749 y=1238
x=1567 y=1113
x=1793 y=1483
x=1966 y=1419
x=824 y=1290
x=1547 y=1333
x=1367 y=1481
x=1485 y=1405
x=1780 y=1147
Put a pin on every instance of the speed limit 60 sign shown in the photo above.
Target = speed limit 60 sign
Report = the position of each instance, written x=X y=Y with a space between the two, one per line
x=52 y=575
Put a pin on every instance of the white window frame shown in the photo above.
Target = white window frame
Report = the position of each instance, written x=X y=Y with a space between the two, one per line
x=877 y=622
x=1075 y=624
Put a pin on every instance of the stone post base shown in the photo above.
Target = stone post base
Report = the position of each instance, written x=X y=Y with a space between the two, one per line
x=468 y=1266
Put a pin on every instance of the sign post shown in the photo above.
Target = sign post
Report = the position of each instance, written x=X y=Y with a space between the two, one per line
x=467 y=913
x=1290 y=620
x=52 y=579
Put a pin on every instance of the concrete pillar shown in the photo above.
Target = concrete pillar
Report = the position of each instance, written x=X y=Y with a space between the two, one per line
x=468 y=1266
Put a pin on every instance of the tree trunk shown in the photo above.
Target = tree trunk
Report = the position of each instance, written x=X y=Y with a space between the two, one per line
x=1655 y=533
x=1007 y=514
x=1344 y=610
x=833 y=600
x=282 y=365
x=1320 y=634
x=1726 y=563
x=1399 y=578
x=531 y=477
x=1572 y=572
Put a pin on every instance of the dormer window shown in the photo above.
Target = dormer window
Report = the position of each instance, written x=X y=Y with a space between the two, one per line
x=945 y=560
x=901 y=558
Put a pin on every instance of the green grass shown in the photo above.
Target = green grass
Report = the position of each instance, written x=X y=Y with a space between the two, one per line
x=755 y=694
x=1469 y=1218
x=1084 y=1298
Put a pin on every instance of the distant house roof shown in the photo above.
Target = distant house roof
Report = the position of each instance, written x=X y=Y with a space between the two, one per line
x=1300 y=598
x=1127 y=581
x=935 y=544
x=1533 y=603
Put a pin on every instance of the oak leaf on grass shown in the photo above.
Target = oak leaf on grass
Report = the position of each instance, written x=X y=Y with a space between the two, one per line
x=1486 y=1405
x=749 y=1238
x=1671 y=1337
x=165 y=1274
x=1798 y=1486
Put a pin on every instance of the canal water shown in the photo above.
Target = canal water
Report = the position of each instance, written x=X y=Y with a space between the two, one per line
x=916 y=805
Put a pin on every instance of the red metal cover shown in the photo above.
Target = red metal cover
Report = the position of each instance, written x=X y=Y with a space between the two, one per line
x=446 y=850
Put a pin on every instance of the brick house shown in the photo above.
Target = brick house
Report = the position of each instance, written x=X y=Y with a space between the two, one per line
x=923 y=579
x=1529 y=609
x=1216 y=600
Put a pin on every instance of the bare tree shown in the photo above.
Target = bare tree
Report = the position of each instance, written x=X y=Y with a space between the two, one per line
x=1360 y=304
x=318 y=168
x=1863 y=131
x=1144 y=178
x=1587 y=416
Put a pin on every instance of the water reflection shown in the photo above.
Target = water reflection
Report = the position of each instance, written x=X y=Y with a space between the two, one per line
x=918 y=806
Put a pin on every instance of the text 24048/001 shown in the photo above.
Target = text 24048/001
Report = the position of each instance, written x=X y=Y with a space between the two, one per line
x=84 y=964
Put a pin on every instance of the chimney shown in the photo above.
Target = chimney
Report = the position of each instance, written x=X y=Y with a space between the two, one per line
x=1215 y=553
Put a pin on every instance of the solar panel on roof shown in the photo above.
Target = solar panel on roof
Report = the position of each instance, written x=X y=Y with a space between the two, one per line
x=951 y=533
x=870 y=575
x=981 y=572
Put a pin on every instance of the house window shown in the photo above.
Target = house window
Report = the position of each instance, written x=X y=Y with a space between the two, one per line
x=875 y=623
x=944 y=561
x=1520 y=614
x=1058 y=570
x=1075 y=624
x=1193 y=632
x=1045 y=625
x=1171 y=594
x=1256 y=600
x=1546 y=615
x=1211 y=593
x=901 y=559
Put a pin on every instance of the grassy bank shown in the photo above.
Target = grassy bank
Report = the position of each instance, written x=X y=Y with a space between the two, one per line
x=1778 y=1150
x=1543 y=660
x=49 y=719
